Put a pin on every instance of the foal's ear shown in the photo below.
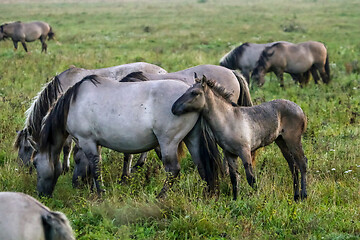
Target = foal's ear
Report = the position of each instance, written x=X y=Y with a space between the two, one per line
x=203 y=81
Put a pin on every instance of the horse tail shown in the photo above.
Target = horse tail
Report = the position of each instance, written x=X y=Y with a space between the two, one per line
x=210 y=156
x=327 y=69
x=56 y=119
x=134 y=77
x=51 y=34
x=244 y=97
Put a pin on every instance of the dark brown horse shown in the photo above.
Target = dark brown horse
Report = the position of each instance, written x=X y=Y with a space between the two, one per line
x=240 y=131
x=295 y=59
x=27 y=32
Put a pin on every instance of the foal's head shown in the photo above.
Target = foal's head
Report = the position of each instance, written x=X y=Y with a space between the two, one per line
x=194 y=99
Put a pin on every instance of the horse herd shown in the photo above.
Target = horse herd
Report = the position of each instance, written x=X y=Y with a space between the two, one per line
x=137 y=107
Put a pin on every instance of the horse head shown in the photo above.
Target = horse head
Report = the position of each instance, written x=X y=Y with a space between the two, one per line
x=23 y=146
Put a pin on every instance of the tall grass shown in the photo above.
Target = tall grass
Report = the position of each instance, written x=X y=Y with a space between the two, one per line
x=176 y=35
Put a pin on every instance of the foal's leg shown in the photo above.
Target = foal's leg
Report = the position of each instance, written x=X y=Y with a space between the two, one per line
x=171 y=164
x=246 y=158
x=233 y=170
x=293 y=168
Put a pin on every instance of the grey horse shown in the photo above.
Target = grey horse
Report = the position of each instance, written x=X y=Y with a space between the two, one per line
x=25 y=218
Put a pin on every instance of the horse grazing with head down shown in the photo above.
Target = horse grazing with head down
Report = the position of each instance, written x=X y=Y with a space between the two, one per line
x=27 y=32
x=240 y=131
x=300 y=58
x=25 y=218
x=140 y=120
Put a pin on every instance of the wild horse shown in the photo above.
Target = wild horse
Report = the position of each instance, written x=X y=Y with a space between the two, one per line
x=294 y=59
x=140 y=120
x=27 y=32
x=240 y=131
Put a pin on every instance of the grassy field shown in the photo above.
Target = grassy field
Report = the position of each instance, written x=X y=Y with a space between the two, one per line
x=178 y=34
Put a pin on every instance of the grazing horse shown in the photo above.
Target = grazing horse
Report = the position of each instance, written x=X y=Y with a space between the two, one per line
x=140 y=120
x=27 y=32
x=244 y=57
x=53 y=90
x=242 y=130
x=25 y=218
x=293 y=59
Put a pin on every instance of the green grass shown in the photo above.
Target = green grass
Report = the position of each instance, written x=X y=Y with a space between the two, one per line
x=177 y=35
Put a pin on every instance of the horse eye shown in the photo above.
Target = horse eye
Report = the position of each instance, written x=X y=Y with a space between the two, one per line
x=195 y=93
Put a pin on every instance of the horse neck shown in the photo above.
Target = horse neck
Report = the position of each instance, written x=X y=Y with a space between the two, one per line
x=218 y=111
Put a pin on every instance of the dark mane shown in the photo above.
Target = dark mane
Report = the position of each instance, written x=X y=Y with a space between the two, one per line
x=41 y=106
x=56 y=119
x=134 y=77
x=220 y=91
x=230 y=59
x=265 y=55
x=20 y=136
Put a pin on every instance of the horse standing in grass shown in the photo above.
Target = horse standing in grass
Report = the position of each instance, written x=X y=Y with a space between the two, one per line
x=293 y=59
x=27 y=32
x=240 y=131
x=25 y=218
x=52 y=91
x=244 y=57
x=126 y=117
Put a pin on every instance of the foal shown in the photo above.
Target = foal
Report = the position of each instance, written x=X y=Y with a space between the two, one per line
x=242 y=130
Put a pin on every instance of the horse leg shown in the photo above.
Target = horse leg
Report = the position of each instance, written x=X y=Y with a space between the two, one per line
x=246 y=74
x=324 y=76
x=15 y=45
x=246 y=158
x=171 y=164
x=233 y=170
x=140 y=162
x=314 y=74
x=43 y=44
x=126 y=167
x=293 y=168
x=24 y=46
x=91 y=151
x=280 y=75
x=296 y=150
x=66 y=159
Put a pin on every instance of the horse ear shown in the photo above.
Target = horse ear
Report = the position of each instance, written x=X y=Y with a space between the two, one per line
x=197 y=80
x=203 y=81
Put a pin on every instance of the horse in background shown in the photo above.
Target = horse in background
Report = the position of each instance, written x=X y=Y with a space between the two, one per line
x=30 y=134
x=244 y=57
x=294 y=59
x=240 y=131
x=27 y=32
x=118 y=127
x=25 y=218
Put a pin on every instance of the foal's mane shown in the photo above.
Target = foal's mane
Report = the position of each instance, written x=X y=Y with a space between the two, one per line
x=55 y=120
x=231 y=57
x=220 y=90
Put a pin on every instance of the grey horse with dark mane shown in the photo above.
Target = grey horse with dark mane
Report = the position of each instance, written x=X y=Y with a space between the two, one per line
x=52 y=91
x=27 y=32
x=240 y=131
x=140 y=120
x=301 y=58
x=25 y=218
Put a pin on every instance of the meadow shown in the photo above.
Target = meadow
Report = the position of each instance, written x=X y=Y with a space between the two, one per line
x=175 y=35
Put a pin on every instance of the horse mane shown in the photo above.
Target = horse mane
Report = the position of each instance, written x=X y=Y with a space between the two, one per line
x=134 y=77
x=55 y=120
x=231 y=57
x=41 y=105
x=22 y=134
x=220 y=90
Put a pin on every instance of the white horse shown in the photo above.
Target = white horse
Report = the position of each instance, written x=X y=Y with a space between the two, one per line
x=25 y=218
